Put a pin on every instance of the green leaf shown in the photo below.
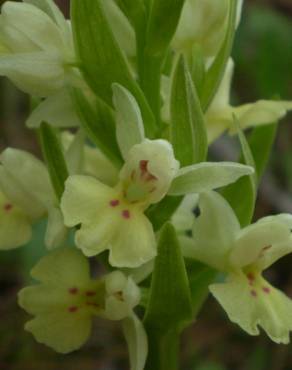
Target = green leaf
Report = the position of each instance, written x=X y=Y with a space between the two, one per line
x=261 y=143
x=134 y=10
x=216 y=71
x=187 y=129
x=207 y=176
x=163 y=21
x=169 y=304
x=255 y=152
x=161 y=212
x=99 y=124
x=102 y=61
x=245 y=187
x=54 y=157
x=198 y=68
x=130 y=130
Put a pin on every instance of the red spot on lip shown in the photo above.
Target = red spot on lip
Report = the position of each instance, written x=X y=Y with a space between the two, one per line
x=114 y=203
x=143 y=166
x=8 y=207
x=90 y=293
x=253 y=293
x=126 y=214
x=266 y=289
x=251 y=278
x=73 y=290
x=73 y=309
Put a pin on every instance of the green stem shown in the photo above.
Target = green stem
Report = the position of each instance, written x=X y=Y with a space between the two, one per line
x=163 y=350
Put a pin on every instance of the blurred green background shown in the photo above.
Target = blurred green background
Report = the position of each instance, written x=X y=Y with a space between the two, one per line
x=263 y=55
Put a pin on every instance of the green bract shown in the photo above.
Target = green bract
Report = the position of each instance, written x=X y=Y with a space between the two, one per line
x=249 y=300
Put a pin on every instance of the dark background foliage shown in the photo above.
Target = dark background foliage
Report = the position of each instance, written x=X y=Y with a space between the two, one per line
x=263 y=55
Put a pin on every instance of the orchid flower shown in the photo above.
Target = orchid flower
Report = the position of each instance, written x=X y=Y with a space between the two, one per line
x=38 y=56
x=220 y=116
x=243 y=254
x=203 y=24
x=27 y=195
x=39 y=45
x=66 y=300
x=15 y=225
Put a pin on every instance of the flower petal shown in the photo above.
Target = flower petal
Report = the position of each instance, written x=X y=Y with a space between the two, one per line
x=56 y=232
x=134 y=242
x=184 y=217
x=254 y=241
x=99 y=166
x=44 y=298
x=137 y=342
x=84 y=159
x=121 y=27
x=19 y=197
x=123 y=296
x=130 y=128
x=212 y=246
x=260 y=113
x=161 y=163
x=57 y=110
x=250 y=307
x=62 y=267
x=30 y=176
x=36 y=73
x=207 y=176
x=62 y=331
x=51 y=9
x=15 y=226
x=218 y=116
x=140 y=273
x=222 y=97
x=33 y=23
x=95 y=237
x=203 y=23
x=285 y=218
x=84 y=199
